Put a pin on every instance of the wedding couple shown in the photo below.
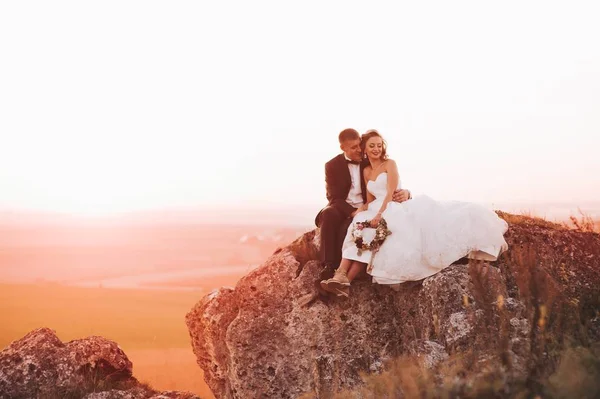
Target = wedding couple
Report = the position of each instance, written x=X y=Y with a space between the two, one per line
x=405 y=239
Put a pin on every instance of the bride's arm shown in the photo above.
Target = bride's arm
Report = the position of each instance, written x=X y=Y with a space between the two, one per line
x=392 y=184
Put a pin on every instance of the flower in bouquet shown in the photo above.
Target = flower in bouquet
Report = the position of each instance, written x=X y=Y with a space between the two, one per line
x=381 y=233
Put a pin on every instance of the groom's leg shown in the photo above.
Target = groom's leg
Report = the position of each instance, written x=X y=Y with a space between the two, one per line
x=329 y=222
x=331 y=219
x=335 y=249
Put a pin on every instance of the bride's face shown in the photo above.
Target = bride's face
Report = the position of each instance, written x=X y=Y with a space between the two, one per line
x=374 y=147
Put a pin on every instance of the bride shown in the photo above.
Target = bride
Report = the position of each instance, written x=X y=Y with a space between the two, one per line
x=422 y=236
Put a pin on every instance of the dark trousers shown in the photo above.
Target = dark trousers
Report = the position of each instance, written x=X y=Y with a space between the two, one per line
x=334 y=226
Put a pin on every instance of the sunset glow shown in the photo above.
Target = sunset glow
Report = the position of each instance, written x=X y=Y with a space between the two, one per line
x=123 y=106
x=153 y=152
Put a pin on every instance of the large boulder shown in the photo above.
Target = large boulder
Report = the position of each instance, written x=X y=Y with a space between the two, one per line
x=39 y=365
x=272 y=336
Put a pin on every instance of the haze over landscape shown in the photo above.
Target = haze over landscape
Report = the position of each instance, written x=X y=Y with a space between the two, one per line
x=152 y=152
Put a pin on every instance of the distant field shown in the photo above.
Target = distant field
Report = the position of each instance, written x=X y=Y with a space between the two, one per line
x=46 y=269
x=148 y=324
x=73 y=254
x=169 y=369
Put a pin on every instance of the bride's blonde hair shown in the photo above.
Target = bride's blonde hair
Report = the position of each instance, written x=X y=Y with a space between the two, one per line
x=369 y=134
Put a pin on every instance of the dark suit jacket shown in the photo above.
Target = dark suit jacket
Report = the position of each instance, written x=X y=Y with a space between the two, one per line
x=338 y=183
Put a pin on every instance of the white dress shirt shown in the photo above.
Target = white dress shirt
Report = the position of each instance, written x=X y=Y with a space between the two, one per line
x=355 y=194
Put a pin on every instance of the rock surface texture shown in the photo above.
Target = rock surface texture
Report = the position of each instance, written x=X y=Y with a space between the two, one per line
x=271 y=336
x=39 y=365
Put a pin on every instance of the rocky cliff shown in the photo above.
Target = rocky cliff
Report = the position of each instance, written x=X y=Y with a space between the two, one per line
x=508 y=324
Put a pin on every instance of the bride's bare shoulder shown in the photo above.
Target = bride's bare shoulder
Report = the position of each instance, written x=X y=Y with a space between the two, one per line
x=390 y=163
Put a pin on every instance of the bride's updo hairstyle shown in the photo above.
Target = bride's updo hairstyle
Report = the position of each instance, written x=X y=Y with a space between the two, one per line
x=369 y=134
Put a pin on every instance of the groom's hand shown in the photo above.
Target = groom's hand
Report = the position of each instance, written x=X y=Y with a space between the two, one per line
x=401 y=195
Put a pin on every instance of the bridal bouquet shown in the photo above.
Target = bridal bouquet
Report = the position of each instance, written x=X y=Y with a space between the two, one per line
x=381 y=233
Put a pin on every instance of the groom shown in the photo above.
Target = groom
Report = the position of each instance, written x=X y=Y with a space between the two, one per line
x=346 y=192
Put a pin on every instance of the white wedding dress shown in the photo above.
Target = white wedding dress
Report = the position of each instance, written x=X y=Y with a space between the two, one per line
x=427 y=236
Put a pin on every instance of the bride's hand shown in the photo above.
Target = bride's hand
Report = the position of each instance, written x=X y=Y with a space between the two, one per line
x=375 y=221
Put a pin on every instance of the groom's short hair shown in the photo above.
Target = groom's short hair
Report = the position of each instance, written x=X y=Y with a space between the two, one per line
x=348 y=134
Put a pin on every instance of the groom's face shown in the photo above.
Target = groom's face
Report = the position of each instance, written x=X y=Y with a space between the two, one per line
x=352 y=149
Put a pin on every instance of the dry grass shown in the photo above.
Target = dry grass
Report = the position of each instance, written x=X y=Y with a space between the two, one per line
x=577 y=376
x=528 y=220
x=583 y=222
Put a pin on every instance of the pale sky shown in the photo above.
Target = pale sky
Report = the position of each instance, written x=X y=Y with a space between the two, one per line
x=123 y=105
